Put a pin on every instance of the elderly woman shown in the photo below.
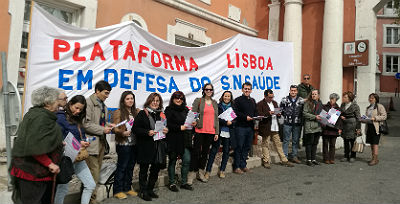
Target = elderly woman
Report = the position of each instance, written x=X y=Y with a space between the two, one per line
x=377 y=113
x=351 y=125
x=329 y=134
x=38 y=148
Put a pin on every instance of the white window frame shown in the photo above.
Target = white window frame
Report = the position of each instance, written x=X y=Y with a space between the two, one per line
x=183 y=29
x=389 y=11
x=385 y=26
x=384 y=72
x=136 y=17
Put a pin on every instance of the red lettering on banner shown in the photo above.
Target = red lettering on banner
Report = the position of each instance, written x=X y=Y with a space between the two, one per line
x=245 y=60
x=76 y=56
x=180 y=63
x=269 y=64
x=193 y=65
x=142 y=53
x=115 y=44
x=253 y=60
x=167 y=61
x=228 y=57
x=129 y=52
x=259 y=62
x=60 y=46
x=153 y=62
x=97 y=52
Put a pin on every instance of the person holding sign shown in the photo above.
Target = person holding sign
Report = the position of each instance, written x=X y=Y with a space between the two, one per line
x=147 y=147
x=178 y=139
x=312 y=128
x=226 y=132
x=269 y=129
x=70 y=119
x=96 y=127
x=329 y=134
x=125 y=145
x=38 y=148
x=207 y=129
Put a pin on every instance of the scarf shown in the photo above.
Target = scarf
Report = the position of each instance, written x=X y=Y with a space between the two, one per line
x=225 y=106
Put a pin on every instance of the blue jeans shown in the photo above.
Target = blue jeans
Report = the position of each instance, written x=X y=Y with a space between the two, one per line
x=125 y=164
x=244 y=138
x=83 y=173
x=214 y=149
x=291 y=132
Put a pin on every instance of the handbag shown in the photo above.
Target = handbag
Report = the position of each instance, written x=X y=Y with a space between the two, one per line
x=66 y=170
x=358 y=147
x=83 y=153
x=383 y=128
x=161 y=154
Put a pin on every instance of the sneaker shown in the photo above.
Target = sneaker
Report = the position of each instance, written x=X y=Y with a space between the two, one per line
x=352 y=160
x=296 y=160
x=315 y=162
x=287 y=164
x=238 y=171
x=131 y=193
x=120 y=195
x=221 y=174
x=173 y=188
x=145 y=196
x=200 y=177
x=187 y=187
x=207 y=175
x=309 y=163
x=153 y=195
x=344 y=159
x=267 y=165
x=246 y=170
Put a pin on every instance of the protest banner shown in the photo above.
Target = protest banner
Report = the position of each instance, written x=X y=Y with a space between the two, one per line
x=130 y=58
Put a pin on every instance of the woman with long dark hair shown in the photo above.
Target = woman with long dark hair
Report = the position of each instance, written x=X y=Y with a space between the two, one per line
x=125 y=146
x=70 y=119
x=146 y=146
x=377 y=113
x=226 y=132
x=176 y=113
x=312 y=128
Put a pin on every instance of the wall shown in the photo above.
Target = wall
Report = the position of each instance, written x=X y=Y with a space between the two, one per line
x=349 y=19
x=4 y=31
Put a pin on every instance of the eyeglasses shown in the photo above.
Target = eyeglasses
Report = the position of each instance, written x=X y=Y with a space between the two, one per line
x=208 y=90
x=179 y=98
x=306 y=78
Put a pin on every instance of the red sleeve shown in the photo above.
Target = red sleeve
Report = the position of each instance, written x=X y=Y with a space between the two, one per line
x=43 y=159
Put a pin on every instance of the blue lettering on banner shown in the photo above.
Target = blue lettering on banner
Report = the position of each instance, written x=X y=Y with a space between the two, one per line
x=85 y=79
x=149 y=81
x=172 y=85
x=62 y=79
x=225 y=84
x=136 y=79
x=193 y=80
x=125 y=79
x=160 y=82
x=107 y=72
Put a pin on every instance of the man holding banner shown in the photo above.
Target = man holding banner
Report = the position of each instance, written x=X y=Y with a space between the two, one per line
x=96 y=127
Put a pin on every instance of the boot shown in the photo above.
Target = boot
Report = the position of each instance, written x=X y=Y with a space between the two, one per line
x=201 y=177
x=374 y=160
x=191 y=177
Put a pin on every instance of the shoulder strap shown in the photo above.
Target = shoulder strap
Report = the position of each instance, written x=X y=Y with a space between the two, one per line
x=146 y=111
x=80 y=132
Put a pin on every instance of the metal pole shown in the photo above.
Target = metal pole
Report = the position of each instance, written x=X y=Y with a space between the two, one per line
x=6 y=116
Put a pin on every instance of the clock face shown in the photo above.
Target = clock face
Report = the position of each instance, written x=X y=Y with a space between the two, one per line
x=361 y=47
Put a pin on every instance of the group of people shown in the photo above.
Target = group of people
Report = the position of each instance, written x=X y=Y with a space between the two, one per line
x=39 y=145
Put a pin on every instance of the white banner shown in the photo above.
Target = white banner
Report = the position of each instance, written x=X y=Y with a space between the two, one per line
x=130 y=58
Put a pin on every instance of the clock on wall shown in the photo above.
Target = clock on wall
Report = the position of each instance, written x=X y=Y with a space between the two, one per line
x=361 y=47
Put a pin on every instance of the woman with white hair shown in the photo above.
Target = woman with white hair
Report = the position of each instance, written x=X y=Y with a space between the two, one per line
x=38 y=148
x=329 y=134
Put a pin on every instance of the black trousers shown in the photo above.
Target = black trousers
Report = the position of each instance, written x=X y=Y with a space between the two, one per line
x=148 y=181
x=328 y=147
x=33 y=192
x=200 y=151
x=311 y=141
x=348 y=146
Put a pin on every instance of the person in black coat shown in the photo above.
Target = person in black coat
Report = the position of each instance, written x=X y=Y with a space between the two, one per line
x=146 y=146
x=176 y=113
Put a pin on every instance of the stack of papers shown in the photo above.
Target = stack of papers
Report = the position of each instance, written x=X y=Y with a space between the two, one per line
x=329 y=118
x=190 y=118
x=228 y=115
x=159 y=126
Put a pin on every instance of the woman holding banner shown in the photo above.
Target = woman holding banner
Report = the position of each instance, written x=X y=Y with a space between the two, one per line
x=147 y=147
x=70 y=120
x=227 y=131
x=207 y=129
x=125 y=145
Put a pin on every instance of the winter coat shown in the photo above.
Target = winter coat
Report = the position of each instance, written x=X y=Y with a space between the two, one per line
x=67 y=127
x=292 y=112
x=379 y=113
x=119 y=137
x=176 y=116
x=92 y=124
x=244 y=106
x=223 y=123
x=311 y=124
x=264 y=127
x=304 y=90
x=198 y=106
x=352 y=121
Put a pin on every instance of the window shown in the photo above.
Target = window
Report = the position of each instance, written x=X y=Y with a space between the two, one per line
x=187 y=34
x=391 y=36
x=187 y=42
x=136 y=19
x=391 y=63
x=390 y=8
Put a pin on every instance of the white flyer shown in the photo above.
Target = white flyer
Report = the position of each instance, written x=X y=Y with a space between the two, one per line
x=190 y=118
x=72 y=146
x=129 y=124
x=228 y=115
x=158 y=129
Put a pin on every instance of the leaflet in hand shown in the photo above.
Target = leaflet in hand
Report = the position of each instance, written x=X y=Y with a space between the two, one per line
x=277 y=111
x=365 y=119
x=129 y=124
x=121 y=123
x=190 y=118
x=260 y=117
x=72 y=146
x=329 y=118
x=159 y=127
x=228 y=115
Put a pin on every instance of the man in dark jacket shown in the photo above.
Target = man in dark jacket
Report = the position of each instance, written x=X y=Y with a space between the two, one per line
x=292 y=108
x=305 y=88
x=269 y=129
x=245 y=109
